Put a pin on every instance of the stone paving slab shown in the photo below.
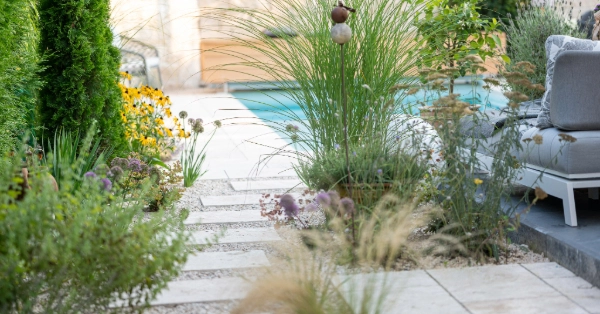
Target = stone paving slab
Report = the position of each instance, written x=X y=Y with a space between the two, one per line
x=223 y=217
x=539 y=305
x=266 y=185
x=242 y=235
x=492 y=283
x=404 y=292
x=228 y=200
x=578 y=290
x=203 y=290
x=203 y=261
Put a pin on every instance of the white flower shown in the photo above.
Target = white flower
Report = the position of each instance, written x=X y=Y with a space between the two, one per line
x=365 y=86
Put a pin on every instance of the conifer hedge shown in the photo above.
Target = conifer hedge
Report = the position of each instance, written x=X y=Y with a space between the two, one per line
x=18 y=70
x=80 y=68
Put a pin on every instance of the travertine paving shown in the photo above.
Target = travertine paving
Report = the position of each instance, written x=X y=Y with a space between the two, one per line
x=242 y=235
x=224 y=217
x=226 y=260
x=203 y=290
x=266 y=185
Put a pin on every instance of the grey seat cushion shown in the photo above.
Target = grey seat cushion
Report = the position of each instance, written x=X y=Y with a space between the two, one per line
x=555 y=45
x=575 y=101
x=579 y=157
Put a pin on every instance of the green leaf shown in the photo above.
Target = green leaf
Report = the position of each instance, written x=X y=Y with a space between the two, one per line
x=505 y=58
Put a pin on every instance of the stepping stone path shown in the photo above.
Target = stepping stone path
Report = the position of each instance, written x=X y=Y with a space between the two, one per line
x=228 y=288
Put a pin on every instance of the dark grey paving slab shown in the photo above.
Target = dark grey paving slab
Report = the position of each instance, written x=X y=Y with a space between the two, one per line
x=575 y=248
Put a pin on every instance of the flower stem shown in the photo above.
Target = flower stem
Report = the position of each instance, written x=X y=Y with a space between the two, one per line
x=345 y=109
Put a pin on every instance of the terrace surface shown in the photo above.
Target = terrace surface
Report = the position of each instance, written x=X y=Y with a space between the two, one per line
x=211 y=280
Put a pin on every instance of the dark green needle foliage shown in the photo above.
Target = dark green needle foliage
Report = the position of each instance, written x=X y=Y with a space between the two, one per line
x=81 y=68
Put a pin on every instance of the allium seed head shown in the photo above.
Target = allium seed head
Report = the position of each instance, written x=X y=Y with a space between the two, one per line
x=290 y=208
x=323 y=199
x=347 y=205
x=183 y=114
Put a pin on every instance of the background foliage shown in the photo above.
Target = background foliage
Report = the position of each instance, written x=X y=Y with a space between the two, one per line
x=80 y=68
x=526 y=35
x=18 y=69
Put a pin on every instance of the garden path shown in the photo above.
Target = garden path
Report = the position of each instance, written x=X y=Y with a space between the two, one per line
x=228 y=196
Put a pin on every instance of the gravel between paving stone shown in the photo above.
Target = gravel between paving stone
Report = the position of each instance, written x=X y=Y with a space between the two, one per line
x=191 y=201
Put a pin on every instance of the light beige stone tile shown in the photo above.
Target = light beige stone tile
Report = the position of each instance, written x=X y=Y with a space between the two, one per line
x=491 y=283
x=266 y=185
x=578 y=290
x=398 y=292
x=203 y=261
x=541 y=305
x=227 y=200
x=242 y=235
x=216 y=217
x=203 y=290
x=548 y=270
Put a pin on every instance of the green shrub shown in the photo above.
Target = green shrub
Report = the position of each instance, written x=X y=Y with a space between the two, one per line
x=374 y=169
x=80 y=69
x=526 y=35
x=499 y=9
x=18 y=70
x=75 y=251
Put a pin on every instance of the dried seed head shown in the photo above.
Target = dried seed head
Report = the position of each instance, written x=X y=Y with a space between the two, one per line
x=540 y=194
x=567 y=138
x=538 y=139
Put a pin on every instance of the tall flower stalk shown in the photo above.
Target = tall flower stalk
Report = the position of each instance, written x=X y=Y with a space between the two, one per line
x=192 y=160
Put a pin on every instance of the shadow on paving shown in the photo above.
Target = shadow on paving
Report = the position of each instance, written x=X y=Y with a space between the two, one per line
x=544 y=230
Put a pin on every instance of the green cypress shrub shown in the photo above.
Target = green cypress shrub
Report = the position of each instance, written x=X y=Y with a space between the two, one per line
x=80 y=69
x=18 y=70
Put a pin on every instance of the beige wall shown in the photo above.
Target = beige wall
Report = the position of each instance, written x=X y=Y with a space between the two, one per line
x=171 y=26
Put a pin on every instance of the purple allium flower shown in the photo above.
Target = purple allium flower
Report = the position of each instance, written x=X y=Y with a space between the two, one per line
x=296 y=128
x=348 y=205
x=323 y=199
x=289 y=127
x=312 y=207
x=135 y=165
x=115 y=172
x=119 y=162
x=379 y=171
x=289 y=205
x=397 y=137
x=191 y=121
x=336 y=146
x=90 y=174
x=106 y=184
x=354 y=154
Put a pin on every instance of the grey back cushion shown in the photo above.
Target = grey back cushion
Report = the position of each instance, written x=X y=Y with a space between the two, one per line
x=575 y=96
x=555 y=45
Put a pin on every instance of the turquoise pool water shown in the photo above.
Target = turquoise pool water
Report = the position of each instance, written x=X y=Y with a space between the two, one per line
x=264 y=103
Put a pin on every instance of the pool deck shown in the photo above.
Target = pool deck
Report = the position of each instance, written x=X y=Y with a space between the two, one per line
x=239 y=149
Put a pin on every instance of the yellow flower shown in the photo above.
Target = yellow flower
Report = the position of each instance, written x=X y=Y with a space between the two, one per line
x=159 y=121
x=169 y=133
x=168 y=112
x=478 y=181
x=125 y=75
x=123 y=117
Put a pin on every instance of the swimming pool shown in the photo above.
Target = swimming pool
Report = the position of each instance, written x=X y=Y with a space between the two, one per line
x=265 y=103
